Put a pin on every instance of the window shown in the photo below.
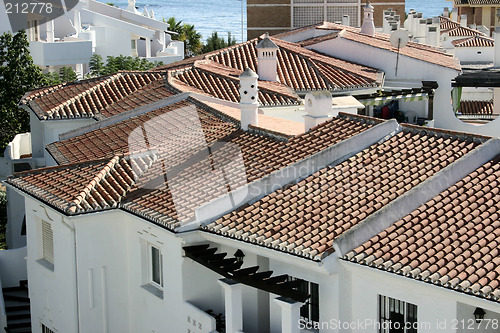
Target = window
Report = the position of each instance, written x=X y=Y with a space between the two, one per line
x=156 y=273
x=309 y=312
x=402 y=316
x=45 y=329
x=47 y=242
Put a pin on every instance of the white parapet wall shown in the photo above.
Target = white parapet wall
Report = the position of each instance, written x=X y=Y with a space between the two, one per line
x=13 y=266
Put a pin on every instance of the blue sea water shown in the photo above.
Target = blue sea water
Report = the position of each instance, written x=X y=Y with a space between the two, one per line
x=226 y=15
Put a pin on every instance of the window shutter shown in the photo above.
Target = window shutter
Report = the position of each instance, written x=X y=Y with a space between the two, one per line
x=47 y=242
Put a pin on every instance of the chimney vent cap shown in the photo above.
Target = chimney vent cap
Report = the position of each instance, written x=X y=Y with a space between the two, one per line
x=266 y=43
x=248 y=73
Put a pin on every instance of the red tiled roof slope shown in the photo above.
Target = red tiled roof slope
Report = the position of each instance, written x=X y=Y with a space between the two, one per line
x=298 y=68
x=215 y=80
x=475 y=41
x=114 y=139
x=87 y=98
x=413 y=50
x=477 y=2
x=451 y=241
x=476 y=107
x=85 y=187
x=306 y=217
x=261 y=154
x=454 y=29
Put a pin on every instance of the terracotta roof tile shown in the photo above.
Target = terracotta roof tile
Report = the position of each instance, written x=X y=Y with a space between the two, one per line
x=95 y=98
x=114 y=139
x=335 y=199
x=298 y=68
x=454 y=29
x=379 y=40
x=211 y=78
x=477 y=2
x=476 y=107
x=460 y=245
x=261 y=151
x=474 y=41
x=91 y=186
x=413 y=50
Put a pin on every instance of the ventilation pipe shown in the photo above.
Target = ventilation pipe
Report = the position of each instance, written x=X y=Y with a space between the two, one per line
x=267 y=59
x=368 y=26
x=318 y=108
x=249 y=105
x=346 y=20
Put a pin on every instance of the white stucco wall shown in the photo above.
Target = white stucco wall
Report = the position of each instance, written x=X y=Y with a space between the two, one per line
x=438 y=309
x=53 y=128
x=15 y=216
x=474 y=54
x=53 y=293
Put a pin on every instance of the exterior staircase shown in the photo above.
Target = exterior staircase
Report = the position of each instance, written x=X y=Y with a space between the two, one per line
x=17 y=308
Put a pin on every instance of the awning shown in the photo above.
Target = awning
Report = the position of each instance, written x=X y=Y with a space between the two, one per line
x=405 y=97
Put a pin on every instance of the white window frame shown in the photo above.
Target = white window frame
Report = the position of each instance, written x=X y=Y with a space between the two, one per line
x=151 y=267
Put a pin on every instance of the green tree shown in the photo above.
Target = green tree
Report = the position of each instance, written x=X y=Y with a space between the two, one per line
x=67 y=74
x=51 y=79
x=187 y=34
x=119 y=63
x=18 y=75
x=214 y=42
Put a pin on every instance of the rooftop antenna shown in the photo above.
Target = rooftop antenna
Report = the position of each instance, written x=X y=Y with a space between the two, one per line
x=399 y=38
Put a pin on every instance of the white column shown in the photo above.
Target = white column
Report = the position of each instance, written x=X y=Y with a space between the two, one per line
x=148 y=48
x=50 y=31
x=290 y=314
x=496 y=100
x=233 y=302
x=77 y=22
x=79 y=70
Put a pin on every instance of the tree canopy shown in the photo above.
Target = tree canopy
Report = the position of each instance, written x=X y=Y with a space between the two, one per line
x=187 y=34
x=120 y=63
x=214 y=42
x=18 y=75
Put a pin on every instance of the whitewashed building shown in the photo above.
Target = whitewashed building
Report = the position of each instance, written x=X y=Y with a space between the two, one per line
x=92 y=27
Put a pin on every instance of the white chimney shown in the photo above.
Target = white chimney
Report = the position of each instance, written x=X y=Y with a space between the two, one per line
x=463 y=20
x=346 y=20
x=318 y=108
x=249 y=105
x=454 y=14
x=432 y=36
x=368 y=26
x=267 y=59
x=496 y=36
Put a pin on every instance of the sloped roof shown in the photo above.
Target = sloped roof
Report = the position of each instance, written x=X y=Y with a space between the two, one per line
x=452 y=241
x=210 y=78
x=305 y=218
x=476 y=2
x=476 y=107
x=106 y=141
x=93 y=98
x=152 y=197
x=474 y=41
x=414 y=50
x=91 y=186
x=298 y=68
x=454 y=29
